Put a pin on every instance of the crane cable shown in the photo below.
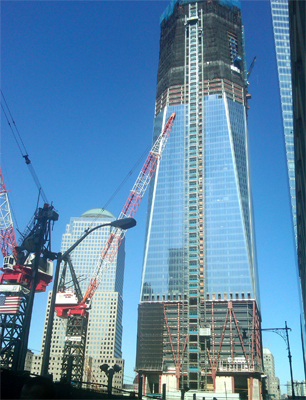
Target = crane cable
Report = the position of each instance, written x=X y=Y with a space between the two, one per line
x=130 y=173
x=22 y=147
x=25 y=155
x=113 y=196
x=127 y=176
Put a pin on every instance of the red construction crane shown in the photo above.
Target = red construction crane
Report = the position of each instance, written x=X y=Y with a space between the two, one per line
x=26 y=269
x=131 y=206
x=17 y=269
x=116 y=236
x=73 y=308
x=8 y=241
x=16 y=281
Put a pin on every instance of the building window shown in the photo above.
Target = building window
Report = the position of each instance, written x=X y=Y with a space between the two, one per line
x=233 y=45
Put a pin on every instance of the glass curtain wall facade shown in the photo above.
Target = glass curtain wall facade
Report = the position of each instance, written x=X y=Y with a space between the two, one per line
x=280 y=21
x=104 y=332
x=281 y=29
x=199 y=244
x=297 y=17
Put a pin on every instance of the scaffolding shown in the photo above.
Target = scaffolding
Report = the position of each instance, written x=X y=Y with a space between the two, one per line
x=228 y=342
x=150 y=337
x=175 y=338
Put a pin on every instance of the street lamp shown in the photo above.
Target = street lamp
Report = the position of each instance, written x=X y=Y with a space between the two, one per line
x=109 y=372
x=283 y=333
x=125 y=223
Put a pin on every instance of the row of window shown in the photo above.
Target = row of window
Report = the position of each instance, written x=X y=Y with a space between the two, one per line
x=279 y=6
x=279 y=11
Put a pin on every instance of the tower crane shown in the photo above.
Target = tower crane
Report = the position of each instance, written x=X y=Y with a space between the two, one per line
x=69 y=303
x=251 y=67
x=248 y=95
x=16 y=279
x=27 y=268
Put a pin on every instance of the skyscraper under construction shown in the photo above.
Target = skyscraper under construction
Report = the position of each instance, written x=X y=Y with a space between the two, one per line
x=199 y=316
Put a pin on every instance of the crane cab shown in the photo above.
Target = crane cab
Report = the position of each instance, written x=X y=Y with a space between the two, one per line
x=64 y=302
x=8 y=263
x=66 y=298
x=15 y=273
x=45 y=271
x=44 y=266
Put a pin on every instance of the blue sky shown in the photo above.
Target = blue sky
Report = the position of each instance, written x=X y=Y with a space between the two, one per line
x=80 y=80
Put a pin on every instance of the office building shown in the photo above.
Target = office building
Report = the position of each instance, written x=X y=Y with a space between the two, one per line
x=280 y=21
x=104 y=332
x=28 y=360
x=299 y=388
x=288 y=18
x=297 y=16
x=199 y=316
x=273 y=384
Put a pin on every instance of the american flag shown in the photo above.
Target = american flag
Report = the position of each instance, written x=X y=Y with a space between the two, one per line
x=9 y=304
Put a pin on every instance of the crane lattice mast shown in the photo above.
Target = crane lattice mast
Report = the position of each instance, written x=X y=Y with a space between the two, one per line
x=8 y=241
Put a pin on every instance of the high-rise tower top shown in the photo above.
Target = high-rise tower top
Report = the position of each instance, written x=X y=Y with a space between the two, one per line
x=169 y=10
x=98 y=213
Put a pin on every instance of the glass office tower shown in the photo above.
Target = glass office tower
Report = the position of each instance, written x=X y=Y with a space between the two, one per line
x=199 y=309
x=281 y=29
x=280 y=20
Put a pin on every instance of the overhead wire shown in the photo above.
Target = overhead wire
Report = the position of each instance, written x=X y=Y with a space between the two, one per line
x=129 y=378
x=21 y=146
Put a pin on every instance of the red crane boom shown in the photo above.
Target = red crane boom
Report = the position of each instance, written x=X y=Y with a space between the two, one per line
x=8 y=241
x=116 y=236
x=76 y=311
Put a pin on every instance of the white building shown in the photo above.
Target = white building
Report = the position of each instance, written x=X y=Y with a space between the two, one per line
x=273 y=384
x=104 y=333
x=299 y=388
